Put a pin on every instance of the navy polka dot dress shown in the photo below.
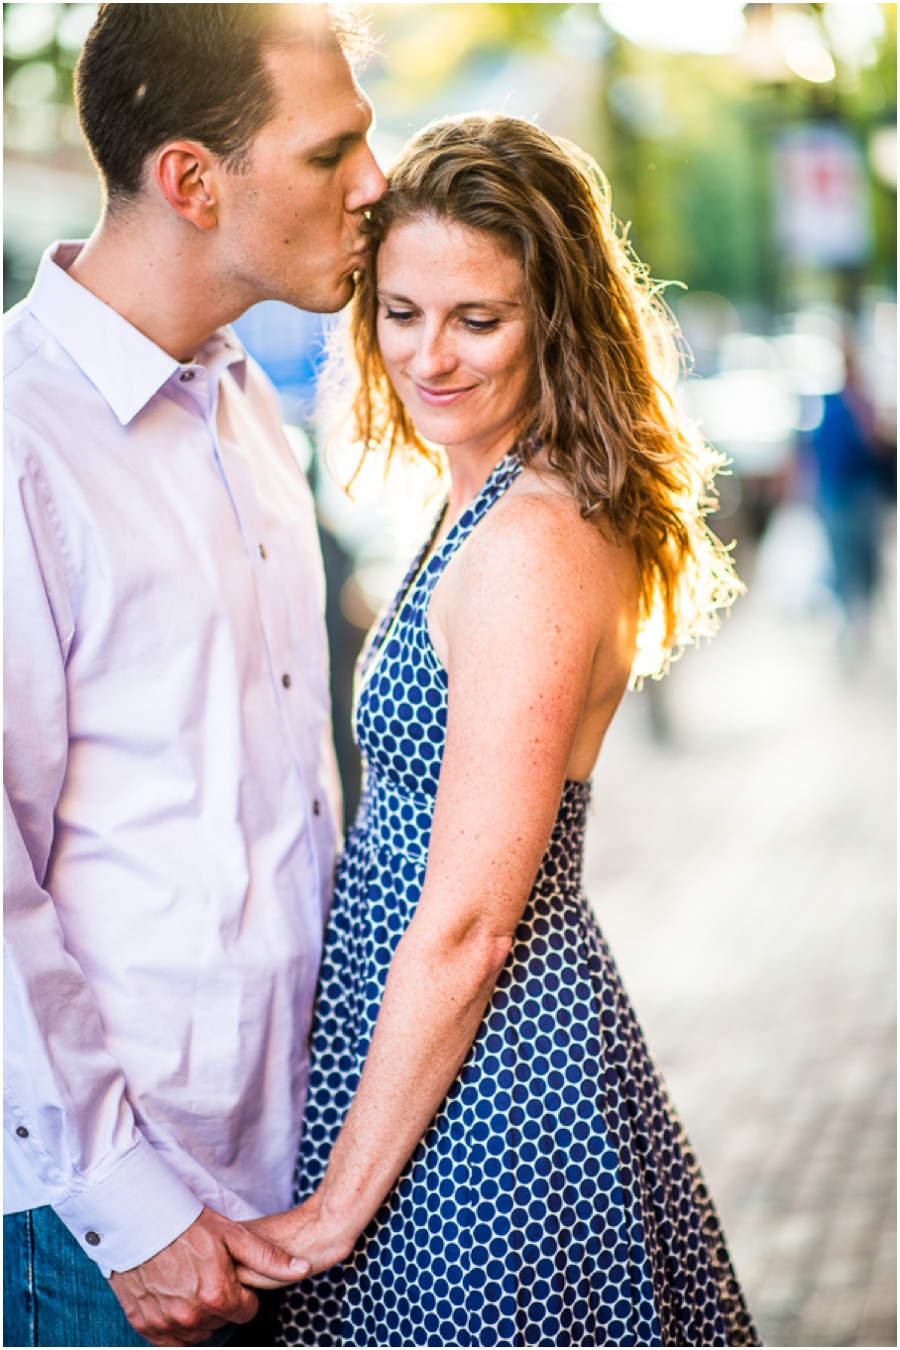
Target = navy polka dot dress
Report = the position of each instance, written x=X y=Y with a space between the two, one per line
x=554 y=1200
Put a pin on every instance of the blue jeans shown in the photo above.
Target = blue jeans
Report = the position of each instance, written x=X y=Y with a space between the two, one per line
x=55 y=1295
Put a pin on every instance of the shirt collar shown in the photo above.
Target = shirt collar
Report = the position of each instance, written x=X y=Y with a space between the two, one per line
x=122 y=364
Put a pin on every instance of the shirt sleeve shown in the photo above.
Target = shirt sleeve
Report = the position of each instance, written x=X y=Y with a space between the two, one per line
x=65 y=1098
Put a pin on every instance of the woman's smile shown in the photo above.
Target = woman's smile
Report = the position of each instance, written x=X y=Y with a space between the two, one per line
x=441 y=398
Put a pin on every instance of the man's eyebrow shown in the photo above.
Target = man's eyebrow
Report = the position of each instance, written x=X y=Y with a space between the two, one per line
x=335 y=143
x=344 y=138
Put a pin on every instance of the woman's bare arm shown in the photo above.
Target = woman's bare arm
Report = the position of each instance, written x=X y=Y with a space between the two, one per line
x=531 y=604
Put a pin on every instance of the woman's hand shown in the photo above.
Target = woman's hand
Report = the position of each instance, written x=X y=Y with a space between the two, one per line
x=307 y=1231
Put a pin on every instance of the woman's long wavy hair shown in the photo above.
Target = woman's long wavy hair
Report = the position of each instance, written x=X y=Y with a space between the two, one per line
x=606 y=352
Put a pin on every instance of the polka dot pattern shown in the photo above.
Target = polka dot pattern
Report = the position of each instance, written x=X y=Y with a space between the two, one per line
x=554 y=1199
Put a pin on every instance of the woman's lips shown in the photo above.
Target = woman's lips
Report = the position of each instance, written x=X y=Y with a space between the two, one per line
x=440 y=398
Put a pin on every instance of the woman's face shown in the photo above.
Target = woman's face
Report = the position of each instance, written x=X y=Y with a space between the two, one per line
x=454 y=333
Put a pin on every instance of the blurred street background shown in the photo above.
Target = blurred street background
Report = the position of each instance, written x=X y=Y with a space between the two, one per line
x=741 y=849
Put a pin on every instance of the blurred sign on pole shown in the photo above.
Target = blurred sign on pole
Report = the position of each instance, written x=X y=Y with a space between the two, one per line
x=821 y=197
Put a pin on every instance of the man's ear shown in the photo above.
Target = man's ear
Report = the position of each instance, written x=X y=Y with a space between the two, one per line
x=184 y=178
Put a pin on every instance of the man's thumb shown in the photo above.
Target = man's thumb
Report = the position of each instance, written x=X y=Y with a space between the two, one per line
x=263 y=1257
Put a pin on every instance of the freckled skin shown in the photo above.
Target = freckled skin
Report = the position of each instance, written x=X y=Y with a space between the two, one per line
x=449 y=281
x=596 y=599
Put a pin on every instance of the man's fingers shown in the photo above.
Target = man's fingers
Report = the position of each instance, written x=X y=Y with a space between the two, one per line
x=247 y=1307
x=262 y=1257
x=262 y=1281
x=257 y=1281
x=189 y=1329
x=174 y=1340
x=177 y=1334
x=193 y=1338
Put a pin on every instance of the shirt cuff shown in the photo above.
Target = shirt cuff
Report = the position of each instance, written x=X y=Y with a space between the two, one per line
x=131 y=1214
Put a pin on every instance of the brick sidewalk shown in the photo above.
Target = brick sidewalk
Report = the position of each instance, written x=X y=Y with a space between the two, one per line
x=743 y=873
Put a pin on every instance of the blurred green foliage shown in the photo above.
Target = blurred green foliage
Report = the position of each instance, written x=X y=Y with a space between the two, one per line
x=700 y=193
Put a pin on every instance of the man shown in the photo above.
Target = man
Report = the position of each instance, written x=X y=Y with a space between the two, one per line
x=171 y=804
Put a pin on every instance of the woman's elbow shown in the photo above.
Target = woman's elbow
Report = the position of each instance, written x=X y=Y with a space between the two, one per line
x=466 y=962
x=491 y=954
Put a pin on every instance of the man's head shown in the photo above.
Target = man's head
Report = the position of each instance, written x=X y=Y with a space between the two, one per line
x=154 y=73
x=248 y=121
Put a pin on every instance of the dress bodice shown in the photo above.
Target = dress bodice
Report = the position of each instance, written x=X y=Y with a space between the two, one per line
x=401 y=707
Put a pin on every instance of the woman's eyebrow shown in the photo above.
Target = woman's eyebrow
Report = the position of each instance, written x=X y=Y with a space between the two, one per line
x=463 y=304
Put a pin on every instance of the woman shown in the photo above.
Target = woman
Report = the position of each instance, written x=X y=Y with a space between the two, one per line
x=489 y=1157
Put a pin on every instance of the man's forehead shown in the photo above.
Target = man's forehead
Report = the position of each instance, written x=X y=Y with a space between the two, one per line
x=316 y=84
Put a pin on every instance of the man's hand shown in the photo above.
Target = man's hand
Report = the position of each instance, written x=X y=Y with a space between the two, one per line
x=190 y=1289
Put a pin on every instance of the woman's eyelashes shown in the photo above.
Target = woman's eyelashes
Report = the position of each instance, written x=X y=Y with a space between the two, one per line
x=405 y=316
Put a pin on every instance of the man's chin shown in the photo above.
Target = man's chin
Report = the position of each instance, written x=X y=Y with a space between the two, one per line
x=340 y=296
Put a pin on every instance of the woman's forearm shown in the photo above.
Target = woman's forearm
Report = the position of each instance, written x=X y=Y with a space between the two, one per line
x=434 y=1000
x=517 y=680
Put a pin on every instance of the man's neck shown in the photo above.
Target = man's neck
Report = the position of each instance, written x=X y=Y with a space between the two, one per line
x=156 y=273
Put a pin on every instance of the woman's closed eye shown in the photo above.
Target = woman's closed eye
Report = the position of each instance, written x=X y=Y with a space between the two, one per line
x=473 y=325
x=398 y=315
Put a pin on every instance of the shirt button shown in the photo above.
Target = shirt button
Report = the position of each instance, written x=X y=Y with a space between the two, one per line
x=92 y=1239
x=286 y=681
x=184 y=377
x=316 y=808
x=22 y=1132
x=262 y=550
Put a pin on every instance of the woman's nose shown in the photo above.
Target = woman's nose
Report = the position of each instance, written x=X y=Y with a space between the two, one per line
x=434 y=356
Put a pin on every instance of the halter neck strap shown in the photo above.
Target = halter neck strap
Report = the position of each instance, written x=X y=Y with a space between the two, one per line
x=421 y=579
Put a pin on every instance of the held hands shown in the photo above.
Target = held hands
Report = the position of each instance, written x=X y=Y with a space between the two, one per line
x=192 y=1287
x=308 y=1233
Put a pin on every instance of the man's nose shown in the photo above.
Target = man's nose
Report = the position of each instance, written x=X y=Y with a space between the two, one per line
x=370 y=185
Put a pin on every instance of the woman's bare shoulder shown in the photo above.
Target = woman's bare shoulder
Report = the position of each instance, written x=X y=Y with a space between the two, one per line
x=539 y=521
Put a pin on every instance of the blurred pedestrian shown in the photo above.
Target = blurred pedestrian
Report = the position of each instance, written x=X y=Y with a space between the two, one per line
x=850 y=499
x=489 y=1156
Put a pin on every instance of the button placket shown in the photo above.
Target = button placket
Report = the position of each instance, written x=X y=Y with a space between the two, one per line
x=277 y=623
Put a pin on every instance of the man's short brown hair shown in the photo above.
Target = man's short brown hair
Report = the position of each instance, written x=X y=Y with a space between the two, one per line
x=152 y=73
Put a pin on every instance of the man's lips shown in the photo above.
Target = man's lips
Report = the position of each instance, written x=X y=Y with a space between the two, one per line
x=440 y=398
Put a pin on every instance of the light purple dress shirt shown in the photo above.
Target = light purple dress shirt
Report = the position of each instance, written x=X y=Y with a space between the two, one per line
x=171 y=801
